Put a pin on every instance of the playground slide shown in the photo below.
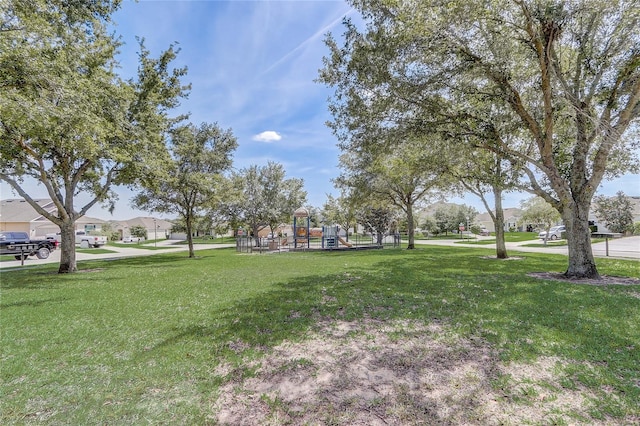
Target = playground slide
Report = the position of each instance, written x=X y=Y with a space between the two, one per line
x=344 y=242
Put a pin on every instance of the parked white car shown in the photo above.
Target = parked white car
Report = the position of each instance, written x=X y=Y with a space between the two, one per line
x=131 y=239
x=555 y=233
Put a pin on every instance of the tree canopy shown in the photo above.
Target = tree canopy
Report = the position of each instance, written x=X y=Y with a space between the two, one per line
x=406 y=176
x=340 y=210
x=188 y=182
x=449 y=217
x=378 y=220
x=537 y=212
x=616 y=212
x=261 y=196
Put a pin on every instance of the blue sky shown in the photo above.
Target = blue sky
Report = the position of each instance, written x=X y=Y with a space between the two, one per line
x=252 y=66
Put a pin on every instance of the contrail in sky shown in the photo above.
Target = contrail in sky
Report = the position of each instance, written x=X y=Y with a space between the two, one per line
x=317 y=34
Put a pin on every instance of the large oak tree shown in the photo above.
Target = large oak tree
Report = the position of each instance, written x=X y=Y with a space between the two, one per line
x=67 y=120
x=406 y=177
x=568 y=72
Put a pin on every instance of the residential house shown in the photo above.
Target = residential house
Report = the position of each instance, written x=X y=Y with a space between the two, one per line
x=157 y=229
x=19 y=215
x=511 y=220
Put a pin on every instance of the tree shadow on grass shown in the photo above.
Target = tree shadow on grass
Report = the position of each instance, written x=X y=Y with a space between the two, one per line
x=520 y=317
x=528 y=317
x=154 y=260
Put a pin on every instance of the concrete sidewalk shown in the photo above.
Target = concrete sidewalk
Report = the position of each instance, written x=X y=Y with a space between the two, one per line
x=132 y=250
x=623 y=248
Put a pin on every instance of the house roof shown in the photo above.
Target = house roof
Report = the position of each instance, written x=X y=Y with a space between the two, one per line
x=513 y=212
x=509 y=213
x=148 y=222
x=19 y=210
x=635 y=204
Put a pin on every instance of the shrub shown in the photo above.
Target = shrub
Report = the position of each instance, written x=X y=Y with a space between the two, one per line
x=138 y=231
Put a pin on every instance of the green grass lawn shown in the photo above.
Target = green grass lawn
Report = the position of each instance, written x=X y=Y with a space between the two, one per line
x=516 y=237
x=553 y=243
x=211 y=240
x=509 y=237
x=157 y=339
x=436 y=237
x=143 y=246
x=99 y=250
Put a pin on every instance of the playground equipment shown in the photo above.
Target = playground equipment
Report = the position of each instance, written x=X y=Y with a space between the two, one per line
x=344 y=242
x=331 y=237
x=301 y=234
x=304 y=237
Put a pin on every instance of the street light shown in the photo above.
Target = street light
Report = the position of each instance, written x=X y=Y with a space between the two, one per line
x=155 y=233
x=468 y=235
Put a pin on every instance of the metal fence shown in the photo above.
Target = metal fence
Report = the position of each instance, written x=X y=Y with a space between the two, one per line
x=246 y=244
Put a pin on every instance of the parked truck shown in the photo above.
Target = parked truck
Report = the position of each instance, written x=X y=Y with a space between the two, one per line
x=19 y=245
x=91 y=240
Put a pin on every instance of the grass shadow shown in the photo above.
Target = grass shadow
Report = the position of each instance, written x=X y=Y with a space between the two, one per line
x=32 y=303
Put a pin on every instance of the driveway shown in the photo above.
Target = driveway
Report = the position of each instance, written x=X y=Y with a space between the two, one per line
x=166 y=246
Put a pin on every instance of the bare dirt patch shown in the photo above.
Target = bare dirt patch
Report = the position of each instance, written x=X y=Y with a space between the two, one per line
x=373 y=373
x=603 y=280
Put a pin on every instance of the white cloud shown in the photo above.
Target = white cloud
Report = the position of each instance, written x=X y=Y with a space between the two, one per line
x=267 y=136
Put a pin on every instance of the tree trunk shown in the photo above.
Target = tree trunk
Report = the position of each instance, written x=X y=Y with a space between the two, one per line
x=346 y=230
x=255 y=230
x=67 y=248
x=501 y=247
x=188 y=221
x=578 y=233
x=411 y=227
